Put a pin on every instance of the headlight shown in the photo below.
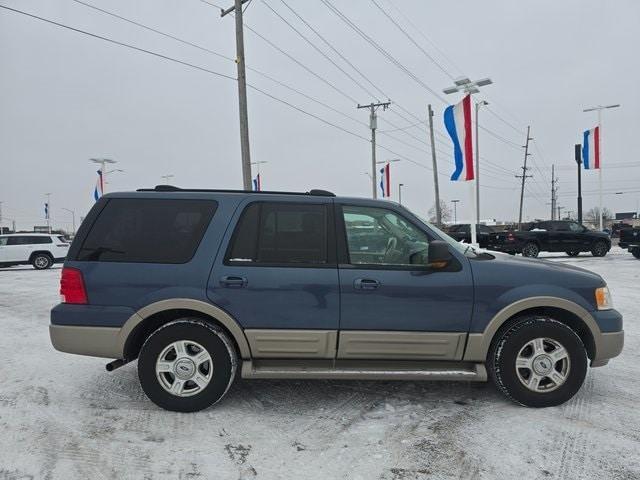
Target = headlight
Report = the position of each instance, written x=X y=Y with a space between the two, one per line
x=603 y=298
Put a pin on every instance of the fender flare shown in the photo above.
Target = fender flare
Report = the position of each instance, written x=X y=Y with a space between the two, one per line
x=478 y=343
x=226 y=320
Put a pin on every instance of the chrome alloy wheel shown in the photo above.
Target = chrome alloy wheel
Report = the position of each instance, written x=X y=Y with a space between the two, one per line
x=41 y=261
x=542 y=365
x=184 y=368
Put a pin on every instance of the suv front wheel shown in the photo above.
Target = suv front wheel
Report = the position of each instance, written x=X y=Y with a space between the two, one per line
x=187 y=365
x=538 y=362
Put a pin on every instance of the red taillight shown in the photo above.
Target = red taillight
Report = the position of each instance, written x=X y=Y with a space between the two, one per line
x=72 y=286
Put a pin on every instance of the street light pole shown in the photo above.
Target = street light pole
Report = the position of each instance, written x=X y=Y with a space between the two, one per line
x=73 y=219
x=577 y=154
x=599 y=109
x=478 y=105
x=103 y=168
x=48 y=195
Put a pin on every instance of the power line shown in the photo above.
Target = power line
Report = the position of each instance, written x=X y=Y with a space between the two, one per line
x=411 y=39
x=381 y=50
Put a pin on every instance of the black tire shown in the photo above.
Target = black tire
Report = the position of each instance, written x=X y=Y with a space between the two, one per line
x=504 y=351
x=573 y=253
x=636 y=252
x=599 y=248
x=217 y=344
x=41 y=261
x=530 y=250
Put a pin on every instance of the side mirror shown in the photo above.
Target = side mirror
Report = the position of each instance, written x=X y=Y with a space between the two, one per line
x=439 y=254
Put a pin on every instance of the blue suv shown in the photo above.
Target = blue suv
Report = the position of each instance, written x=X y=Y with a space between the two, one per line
x=202 y=285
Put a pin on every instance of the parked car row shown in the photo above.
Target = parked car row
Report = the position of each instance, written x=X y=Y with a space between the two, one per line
x=548 y=236
x=38 y=249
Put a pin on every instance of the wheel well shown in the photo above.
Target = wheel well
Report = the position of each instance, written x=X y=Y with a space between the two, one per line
x=150 y=324
x=564 y=316
x=38 y=252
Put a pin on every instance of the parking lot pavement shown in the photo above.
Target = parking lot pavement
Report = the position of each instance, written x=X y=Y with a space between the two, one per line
x=65 y=417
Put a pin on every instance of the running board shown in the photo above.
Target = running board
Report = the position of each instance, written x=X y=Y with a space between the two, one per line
x=363 y=370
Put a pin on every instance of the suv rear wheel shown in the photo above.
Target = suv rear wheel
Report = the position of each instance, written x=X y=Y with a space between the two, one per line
x=187 y=365
x=41 y=261
x=599 y=249
x=538 y=362
x=531 y=249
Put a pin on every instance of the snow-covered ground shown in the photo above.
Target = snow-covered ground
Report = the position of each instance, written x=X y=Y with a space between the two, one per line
x=64 y=417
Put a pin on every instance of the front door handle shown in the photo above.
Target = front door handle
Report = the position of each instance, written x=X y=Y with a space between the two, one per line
x=233 y=282
x=366 y=284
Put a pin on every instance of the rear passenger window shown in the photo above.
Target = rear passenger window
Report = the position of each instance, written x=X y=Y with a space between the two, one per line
x=280 y=234
x=147 y=231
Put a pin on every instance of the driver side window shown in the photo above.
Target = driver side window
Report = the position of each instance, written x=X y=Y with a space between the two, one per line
x=377 y=236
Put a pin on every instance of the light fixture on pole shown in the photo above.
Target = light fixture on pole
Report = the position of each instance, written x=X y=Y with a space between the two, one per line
x=467 y=86
x=167 y=177
x=599 y=109
x=103 y=162
x=455 y=211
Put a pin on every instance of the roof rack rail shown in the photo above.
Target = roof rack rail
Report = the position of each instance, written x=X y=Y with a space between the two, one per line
x=173 y=188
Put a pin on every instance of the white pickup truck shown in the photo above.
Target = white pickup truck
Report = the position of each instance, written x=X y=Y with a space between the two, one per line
x=38 y=249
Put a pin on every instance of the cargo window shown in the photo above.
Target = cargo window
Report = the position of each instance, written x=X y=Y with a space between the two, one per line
x=280 y=234
x=148 y=230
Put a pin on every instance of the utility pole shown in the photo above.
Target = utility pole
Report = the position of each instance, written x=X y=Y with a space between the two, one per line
x=524 y=175
x=554 y=192
x=242 y=92
x=455 y=211
x=373 y=124
x=435 y=168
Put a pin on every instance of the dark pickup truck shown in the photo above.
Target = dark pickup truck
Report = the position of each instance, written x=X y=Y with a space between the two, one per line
x=551 y=236
x=462 y=233
x=630 y=239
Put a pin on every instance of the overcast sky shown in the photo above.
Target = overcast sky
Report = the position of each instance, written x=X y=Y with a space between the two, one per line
x=66 y=97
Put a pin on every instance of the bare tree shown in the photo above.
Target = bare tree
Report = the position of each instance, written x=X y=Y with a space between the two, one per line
x=445 y=212
x=593 y=215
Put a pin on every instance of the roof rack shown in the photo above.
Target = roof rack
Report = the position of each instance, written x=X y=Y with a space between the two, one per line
x=172 y=188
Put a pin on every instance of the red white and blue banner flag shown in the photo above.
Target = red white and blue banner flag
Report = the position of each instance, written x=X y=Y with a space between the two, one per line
x=99 y=190
x=385 y=180
x=46 y=210
x=457 y=121
x=591 y=149
x=257 y=185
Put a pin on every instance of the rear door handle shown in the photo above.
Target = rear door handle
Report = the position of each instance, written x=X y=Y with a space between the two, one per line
x=233 y=282
x=366 y=284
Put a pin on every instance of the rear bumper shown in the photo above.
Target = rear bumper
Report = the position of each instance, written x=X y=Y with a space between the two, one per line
x=92 y=341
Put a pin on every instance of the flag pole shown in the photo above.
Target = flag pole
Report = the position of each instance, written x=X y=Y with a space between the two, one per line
x=473 y=189
x=600 y=165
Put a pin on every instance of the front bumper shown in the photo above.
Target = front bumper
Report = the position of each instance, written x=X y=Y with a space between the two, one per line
x=609 y=345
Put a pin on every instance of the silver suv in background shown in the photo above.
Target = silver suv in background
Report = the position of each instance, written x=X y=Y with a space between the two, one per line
x=38 y=249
